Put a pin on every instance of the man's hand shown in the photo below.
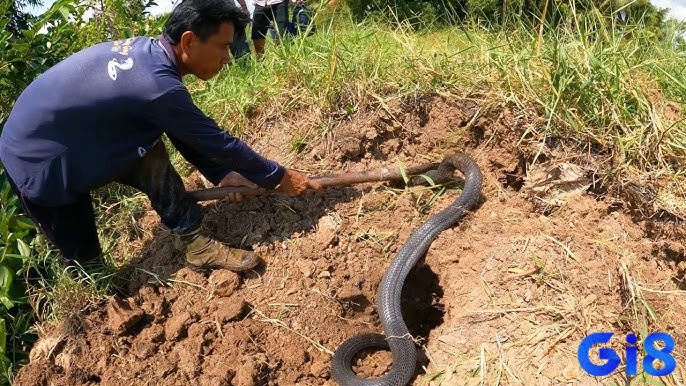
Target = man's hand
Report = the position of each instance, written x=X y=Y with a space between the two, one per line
x=295 y=183
x=235 y=179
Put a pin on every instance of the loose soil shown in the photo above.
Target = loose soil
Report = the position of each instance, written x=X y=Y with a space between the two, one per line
x=505 y=297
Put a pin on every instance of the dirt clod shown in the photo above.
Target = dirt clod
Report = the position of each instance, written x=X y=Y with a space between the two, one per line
x=122 y=315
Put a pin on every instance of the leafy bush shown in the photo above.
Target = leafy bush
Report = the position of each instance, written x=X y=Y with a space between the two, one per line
x=119 y=19
x=61 y=31
x=33 y=51
x=424 y=13
x=30 y=45
x=16 y=233
x=419 y=13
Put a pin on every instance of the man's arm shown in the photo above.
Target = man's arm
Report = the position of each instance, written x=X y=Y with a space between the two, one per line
x=243 y=6
x=212 y=150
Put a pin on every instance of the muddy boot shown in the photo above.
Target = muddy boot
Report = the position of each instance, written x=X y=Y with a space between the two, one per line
x=203 y=252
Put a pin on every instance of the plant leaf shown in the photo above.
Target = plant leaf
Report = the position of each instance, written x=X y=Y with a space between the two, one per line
x=24 y=249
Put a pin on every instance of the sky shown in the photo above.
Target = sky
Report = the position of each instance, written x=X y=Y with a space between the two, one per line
x=677 y=7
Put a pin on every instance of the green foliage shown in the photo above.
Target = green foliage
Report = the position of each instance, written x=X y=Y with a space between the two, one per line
x=31 y=45
x=60 y=32
x=558 y=14
x=484 y=7
x=18 y=19
x=35 y=50
x=419 y=13
x=597 y=79
x=16 y=233
x=119 y=19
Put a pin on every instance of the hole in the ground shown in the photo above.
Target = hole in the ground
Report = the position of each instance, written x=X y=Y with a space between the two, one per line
x=356 y=303
x=552 y=142
x=597 y=187
x=422 y=111
x=674 y=255
x=421 y=303
x=514 y=178
x=478 y=133
x=141 y=324
x=680 y=279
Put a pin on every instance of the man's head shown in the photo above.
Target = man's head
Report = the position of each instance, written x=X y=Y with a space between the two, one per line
x=201 y=32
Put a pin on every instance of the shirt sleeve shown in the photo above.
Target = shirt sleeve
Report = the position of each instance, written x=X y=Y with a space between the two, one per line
x=205 y=145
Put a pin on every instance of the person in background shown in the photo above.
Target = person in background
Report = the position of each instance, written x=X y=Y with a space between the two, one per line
x=239 y=47
x=268 y=13
x=301 y=21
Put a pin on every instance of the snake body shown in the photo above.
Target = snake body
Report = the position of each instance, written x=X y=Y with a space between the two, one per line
x=397 y=337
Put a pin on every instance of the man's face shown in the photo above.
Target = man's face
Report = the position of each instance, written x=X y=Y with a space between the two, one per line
x=205 y=59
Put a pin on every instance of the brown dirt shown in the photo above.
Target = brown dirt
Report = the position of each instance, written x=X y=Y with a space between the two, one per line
x=505 y=297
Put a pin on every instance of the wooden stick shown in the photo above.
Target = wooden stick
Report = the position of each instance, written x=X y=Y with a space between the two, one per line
x=343 y=179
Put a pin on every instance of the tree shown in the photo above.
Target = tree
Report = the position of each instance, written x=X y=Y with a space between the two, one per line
x=554 y=13
x=118 y=19
x=16 y=13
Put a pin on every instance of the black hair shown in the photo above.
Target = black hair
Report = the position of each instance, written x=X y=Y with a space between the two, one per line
x=203 y=18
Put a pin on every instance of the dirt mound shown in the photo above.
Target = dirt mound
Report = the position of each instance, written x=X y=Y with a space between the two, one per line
x=506 y=296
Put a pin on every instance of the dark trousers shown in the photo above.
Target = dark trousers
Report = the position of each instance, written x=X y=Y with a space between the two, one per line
x=71 y=228
x=239 y=48
x=275 y=15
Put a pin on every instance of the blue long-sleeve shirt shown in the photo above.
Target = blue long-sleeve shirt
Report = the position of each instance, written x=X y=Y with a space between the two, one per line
x=89 y=118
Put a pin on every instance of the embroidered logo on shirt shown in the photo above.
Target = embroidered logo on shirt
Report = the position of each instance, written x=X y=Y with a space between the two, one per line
x=114 y=64
x=122 y=46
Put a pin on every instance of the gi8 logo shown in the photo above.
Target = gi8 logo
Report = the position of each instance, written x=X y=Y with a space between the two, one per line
x=613 y=360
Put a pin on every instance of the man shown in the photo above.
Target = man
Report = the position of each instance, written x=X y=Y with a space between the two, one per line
x=240 y=47
x=268 y=13
x=98 y=116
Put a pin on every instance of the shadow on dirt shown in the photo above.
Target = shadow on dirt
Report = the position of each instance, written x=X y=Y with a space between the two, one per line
x=265 y=221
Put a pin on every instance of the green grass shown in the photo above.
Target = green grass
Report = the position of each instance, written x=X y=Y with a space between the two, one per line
x=619 y=89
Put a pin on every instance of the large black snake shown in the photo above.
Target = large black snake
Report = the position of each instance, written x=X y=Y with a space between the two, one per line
x=397 y=337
